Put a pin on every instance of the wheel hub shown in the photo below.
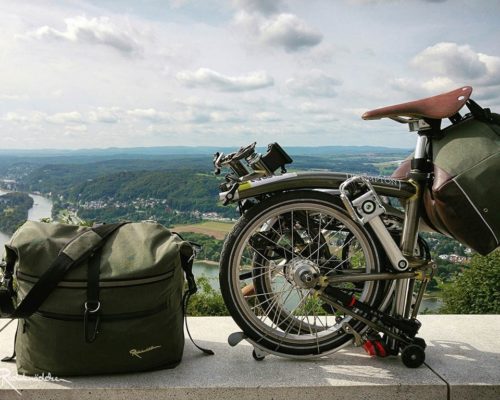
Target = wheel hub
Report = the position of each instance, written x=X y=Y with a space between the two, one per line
x=302 y=273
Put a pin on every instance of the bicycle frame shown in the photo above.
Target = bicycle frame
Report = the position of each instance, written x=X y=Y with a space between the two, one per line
x=384 y=186
x=409 y=190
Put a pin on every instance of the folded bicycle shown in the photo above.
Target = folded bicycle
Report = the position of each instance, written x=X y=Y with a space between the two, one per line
x=319 y=260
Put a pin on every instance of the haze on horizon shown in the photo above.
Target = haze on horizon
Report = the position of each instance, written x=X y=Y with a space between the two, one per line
x=101 y=73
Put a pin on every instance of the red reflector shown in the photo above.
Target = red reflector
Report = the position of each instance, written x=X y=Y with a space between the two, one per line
x=380 y=348
x=369 y=348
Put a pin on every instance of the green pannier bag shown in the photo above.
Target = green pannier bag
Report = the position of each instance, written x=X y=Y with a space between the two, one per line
x=463 y=200
x=97 y=300
x=465 y=194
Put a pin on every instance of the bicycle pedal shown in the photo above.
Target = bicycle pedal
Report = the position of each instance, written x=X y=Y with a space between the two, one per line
x=235 y=338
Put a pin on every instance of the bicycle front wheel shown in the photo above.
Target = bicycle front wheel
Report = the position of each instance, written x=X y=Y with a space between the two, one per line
x=275 y=257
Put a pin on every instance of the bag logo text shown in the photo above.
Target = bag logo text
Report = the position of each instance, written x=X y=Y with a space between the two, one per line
x=137 y=353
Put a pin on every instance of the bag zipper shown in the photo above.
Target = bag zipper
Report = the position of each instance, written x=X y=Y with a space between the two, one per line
x=23 y=277
x=104 y=317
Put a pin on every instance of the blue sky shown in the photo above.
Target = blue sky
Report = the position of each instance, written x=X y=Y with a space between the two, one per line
x=87 y=74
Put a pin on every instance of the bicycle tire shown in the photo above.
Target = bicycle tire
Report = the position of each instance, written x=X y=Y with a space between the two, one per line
x=273 y=324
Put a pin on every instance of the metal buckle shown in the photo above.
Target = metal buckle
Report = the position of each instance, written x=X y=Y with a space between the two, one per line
x=88 y=311
x=92 y=311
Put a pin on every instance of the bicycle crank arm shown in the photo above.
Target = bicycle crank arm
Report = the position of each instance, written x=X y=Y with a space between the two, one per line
x=408 y=327
x=376 y=327
x=370 y=277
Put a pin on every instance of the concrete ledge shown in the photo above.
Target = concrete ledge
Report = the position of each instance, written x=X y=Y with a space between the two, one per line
x=463 y=362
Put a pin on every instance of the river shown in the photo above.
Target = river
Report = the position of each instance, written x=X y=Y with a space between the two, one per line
x=42 y=208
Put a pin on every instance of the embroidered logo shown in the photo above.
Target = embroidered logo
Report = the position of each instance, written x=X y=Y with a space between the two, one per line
x=137 y=353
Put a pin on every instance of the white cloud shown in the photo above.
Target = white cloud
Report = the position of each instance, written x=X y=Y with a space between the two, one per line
x=362 y=2
x=225 y=116
x=289 y=32
x=407 y=85
x=200 y=103
x=34 y=117
x=451 y=59
x=148 y=114
x=76 y=128
x=15 y=117
x=265 y=7
x=105 y=115
x=13 y=97
x=313 y=84
x=99 y=30
x=73 y=117
x=193 y=116
x=178 y=3
x=312 y=108
x=449 y=62
x=446 y=66
x=119 y=72
x=284 y=30
x=267 y=116
x=207 y=78
x=438 y=84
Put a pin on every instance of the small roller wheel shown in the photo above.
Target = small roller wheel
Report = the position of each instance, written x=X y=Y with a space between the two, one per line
x=257 y=357
x=413 y=356
x=420 y=342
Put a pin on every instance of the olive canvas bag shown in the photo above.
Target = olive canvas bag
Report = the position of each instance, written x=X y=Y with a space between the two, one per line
x=465 y=195
x=463 y=198
x=97 y=300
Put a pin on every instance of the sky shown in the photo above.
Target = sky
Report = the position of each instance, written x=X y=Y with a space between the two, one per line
x=108 y=73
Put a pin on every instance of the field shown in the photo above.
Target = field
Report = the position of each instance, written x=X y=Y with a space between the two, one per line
x=211 y=228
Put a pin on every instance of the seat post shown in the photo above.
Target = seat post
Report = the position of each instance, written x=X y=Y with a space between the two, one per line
x=409 y=236
x=421 y=146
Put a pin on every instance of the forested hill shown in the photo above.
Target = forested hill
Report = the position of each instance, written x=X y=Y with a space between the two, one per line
x=14 y=208
x=181 y=186
x=184 y=190
x=59 y=177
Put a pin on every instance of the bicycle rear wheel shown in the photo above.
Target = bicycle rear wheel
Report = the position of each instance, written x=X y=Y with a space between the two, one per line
x=271 y=265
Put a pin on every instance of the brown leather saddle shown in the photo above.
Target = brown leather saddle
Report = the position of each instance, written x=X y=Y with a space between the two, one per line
x=445 y=105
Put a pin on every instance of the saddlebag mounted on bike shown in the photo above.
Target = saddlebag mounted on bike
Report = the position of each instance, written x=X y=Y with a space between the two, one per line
x=100 y=300
x=465 y=192
x=463 y=200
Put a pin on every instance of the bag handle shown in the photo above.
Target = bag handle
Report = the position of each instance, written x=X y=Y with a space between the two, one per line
x=77 y=250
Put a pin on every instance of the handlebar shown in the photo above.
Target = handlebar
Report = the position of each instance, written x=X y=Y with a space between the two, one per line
x=247 y=164
x=221 y=159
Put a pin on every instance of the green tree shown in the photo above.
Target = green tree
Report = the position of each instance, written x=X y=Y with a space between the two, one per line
x=207 y=301
x=477 y=289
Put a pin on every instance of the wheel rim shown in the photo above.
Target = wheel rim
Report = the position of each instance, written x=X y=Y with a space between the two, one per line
x=279 y=254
